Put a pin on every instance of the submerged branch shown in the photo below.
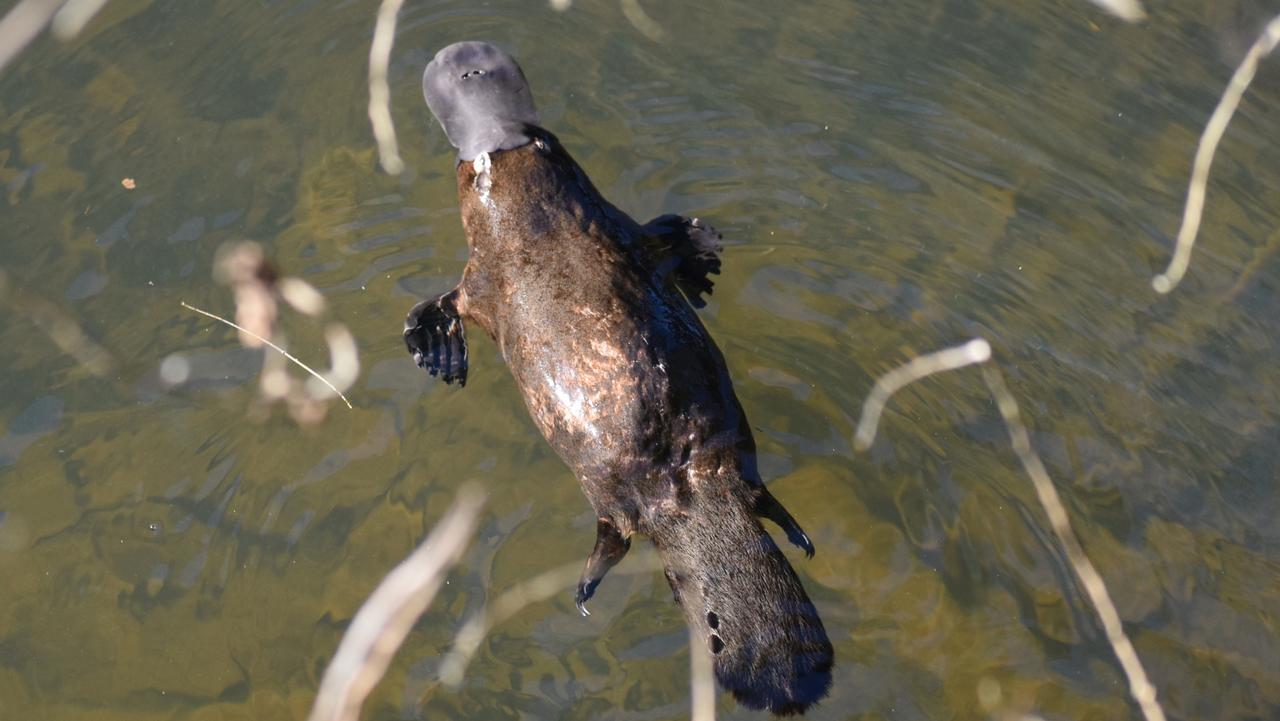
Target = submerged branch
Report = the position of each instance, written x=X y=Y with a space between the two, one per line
x=1139 y=685
x=22 y=24
x=385 y=619
x=384 y=130
x=1213 y=131
x=25 y=20
x=979 y=351
x=73 y=16
x=60 y=326
x=702 y=683
x=535 y=590
x=641 y=21
x=275 y=347
x=472 y=633
x=1130 y=10
x=975 y=351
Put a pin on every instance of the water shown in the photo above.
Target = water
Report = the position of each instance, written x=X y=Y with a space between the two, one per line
x=890 y=178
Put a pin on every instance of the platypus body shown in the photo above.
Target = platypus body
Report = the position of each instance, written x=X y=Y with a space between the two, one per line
x=593 y=314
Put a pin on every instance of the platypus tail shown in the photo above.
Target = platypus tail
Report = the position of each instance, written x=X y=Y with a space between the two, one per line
x=742 y=598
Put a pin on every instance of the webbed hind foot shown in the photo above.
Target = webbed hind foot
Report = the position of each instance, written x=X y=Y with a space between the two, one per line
x=610 y=548
x=768 y=507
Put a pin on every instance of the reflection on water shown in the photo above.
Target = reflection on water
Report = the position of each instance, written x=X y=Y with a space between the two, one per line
x=890 y=178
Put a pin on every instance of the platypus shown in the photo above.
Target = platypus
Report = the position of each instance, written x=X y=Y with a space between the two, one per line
x=594 y=315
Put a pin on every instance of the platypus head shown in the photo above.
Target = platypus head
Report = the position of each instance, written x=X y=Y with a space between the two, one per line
x=480 y=97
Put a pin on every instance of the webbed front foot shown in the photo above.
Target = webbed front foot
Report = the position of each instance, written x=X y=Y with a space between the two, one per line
x=434 y=334
x=693 y=247
x=610 y=548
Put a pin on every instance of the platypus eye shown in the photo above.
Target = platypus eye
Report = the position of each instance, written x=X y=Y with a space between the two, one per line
x=471 y=73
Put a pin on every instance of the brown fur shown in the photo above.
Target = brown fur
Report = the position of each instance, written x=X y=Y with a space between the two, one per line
x=623 y=380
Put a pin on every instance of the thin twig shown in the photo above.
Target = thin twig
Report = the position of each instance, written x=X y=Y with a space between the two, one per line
x=383 y=622
x=277 y=348
x=1213 y=131
x=979 y=351
x=384 y=130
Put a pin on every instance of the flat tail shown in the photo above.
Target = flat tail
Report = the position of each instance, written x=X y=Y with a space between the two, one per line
x=741 y=596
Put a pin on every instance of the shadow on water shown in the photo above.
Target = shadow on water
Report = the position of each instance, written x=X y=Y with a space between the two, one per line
x=889 y=179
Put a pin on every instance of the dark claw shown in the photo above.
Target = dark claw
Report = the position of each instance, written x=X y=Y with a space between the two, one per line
x=585 y=592
x=801 y=539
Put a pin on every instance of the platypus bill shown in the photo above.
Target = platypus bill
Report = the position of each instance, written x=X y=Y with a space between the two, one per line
x=593 y=314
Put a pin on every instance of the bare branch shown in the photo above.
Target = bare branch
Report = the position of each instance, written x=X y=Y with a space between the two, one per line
x=384 y=131
x=1130 y=10
x=472 y=633
x=61 y=328
x=1139 y=685
x=344 y=363
x=25 y=21
x=975 y=351
x=537 y=589
x=73 y=16
x=384 y=621
x=702 y=687
x=1213 y=131
x=22 y=24
x=979 y=351
x=641 y=21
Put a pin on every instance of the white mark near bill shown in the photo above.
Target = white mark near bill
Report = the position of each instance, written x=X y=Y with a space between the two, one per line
x=484 y=180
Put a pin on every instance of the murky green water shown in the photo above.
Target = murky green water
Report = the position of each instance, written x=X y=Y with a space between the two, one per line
x=890 y=177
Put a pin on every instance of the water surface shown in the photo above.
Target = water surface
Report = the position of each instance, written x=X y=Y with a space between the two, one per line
x=890 y=178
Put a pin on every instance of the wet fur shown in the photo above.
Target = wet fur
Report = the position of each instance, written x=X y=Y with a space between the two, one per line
x=623 y=380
